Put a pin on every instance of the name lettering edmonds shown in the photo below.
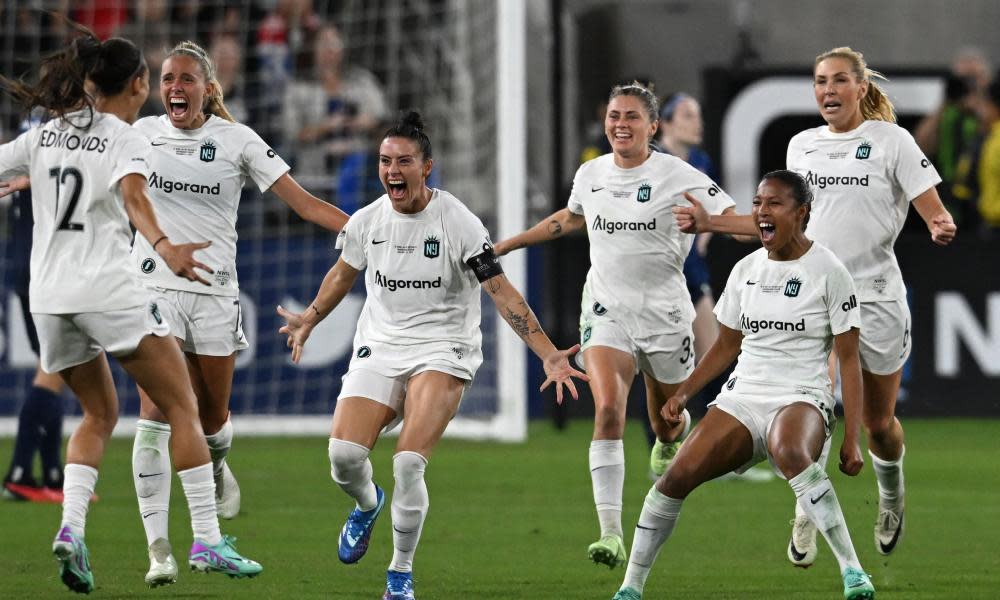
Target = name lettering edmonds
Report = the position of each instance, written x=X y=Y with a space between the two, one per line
x=822 y=181
x=405 y=284
x=610 y=226
x=755 y=325
x=62 y=139
x=155 y=181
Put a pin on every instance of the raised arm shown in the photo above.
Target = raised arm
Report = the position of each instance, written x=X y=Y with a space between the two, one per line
x=179 y=257
x=936 y=216
x=337 y=282
x=845 y=345
x=307 y=206
x=718 y=358
x=555 y=225
x=695 y=219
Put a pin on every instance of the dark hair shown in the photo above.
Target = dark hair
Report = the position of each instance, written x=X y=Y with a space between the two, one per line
x=109 y=65
x=410 y=125
x=670 y=104
x=643 y=93
x=801 y=191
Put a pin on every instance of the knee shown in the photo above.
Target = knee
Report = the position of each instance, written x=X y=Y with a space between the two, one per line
x=102 y=422
x=212 y=421
x=678 y=481
x=609 y=418
x=346 y=459
x=789 y=458
x=878 y=426
x=408 y=469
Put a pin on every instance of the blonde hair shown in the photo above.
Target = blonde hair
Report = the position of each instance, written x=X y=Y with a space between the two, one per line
x=214 y=104
x=875 y=106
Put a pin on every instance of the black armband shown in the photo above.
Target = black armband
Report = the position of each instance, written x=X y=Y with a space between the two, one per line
x=485 y=265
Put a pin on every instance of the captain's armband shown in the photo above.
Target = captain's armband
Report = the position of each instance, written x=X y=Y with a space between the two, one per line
x=485 y=265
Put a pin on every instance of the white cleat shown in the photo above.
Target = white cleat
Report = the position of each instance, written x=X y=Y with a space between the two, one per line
x=227 y=493
x=888 y=528
x=162 y=567
x=802 y=547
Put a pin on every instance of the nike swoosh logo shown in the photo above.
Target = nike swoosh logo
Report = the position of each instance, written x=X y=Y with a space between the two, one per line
x=815 y=500
x=811 y=151
x=596 y=189
x=887 y=548
x=400 y=530
x=149 y=514
x=795 y=553
x=751 y=282
x=374 y=243
x=637 y=526
x=144 y=475
x=160 y=144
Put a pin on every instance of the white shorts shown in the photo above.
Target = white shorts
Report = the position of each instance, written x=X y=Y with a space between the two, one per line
x=667 y=358
x=206 y=324
x=68 y=340
x=395 y=360
x=755 y=405
x=385 y=389
x=885 y=336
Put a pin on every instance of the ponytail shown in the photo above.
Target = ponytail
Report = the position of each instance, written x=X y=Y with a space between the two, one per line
x=214 y=104
x=875 y=106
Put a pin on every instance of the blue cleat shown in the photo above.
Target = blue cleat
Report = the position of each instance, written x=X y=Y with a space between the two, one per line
x=72 y=553
x=358 y=530
x=398 y=586
x=222 y=558
x=857 y=585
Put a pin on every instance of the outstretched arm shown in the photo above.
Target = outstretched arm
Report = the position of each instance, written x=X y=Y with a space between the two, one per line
x=338 y=281
x=513 y=308
x=307 y=206
x=722 y=354
x=845 y=345
x=695 y=219
x=555 y=225
x=937 y=217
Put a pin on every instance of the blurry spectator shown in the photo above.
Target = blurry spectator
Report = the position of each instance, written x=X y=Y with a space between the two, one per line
x=331 y=114
x=989 y=163
x=681 y=131
x=151 y=28
x=103 y=17
x=596 y=141
x=226 y=54
x=973 y=66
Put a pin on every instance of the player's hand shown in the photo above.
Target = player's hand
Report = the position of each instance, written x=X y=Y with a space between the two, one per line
x=560 y=372
x=943 y=229
x=180 y=258
x=851 y=460
x=14 y=184
x=691 y=219
x=673 y=410
x=296 y=329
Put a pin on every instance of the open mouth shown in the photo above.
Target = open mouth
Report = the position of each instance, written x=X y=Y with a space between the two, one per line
x=178 y=108
x=623 y=136
x=396 y=188
x=767 y=231
x=831 y=105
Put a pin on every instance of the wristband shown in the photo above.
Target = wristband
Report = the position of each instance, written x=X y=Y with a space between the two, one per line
x=162 y=237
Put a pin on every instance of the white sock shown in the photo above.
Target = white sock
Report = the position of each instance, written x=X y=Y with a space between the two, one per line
x=79 y=482
x=218 y=446
x=151 y=474
x=817 y=499
x=409 y=508
x=199 y=488
x=607 y=474
x=352 y=471
x=889 y=474
x=656 y=523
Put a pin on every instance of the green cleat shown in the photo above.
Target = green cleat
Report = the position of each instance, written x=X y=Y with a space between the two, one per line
x=609 y=550
x=663 y=453
x=627 y=594
x=222 y=558
x=857 y=585
x=74 y=569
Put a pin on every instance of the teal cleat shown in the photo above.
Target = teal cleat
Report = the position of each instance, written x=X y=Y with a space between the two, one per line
x=857 y=585
x=72 y=553
x=627 y=593
x=222 y=558
x=609 y=550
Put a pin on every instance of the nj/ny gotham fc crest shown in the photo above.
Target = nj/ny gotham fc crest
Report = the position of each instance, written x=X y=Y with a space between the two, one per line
x=207 y=151
x=864 y=151
x=599 y=309
x=792 y=287
x=645 y=193
x=148 y=266
x=432 y=247
x=364 y=352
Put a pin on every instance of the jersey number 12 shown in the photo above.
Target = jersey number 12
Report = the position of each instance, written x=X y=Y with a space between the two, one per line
x=61 y=175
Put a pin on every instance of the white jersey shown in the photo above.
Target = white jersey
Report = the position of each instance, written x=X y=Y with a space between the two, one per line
x=81 y=234
x=788 y=312
x=637 y=252
x=420 y=288
x=195 y=182
x=863 y=181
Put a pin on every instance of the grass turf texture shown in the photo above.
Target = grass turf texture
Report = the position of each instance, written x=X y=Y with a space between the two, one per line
x=514 y=522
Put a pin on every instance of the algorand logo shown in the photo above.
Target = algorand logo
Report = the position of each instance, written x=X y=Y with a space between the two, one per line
x=155 y=181
x=755 y=325
x=609 y=226
x=822 y=181
x=405 y=284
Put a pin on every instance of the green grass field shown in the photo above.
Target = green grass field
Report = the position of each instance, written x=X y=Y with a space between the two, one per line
x=514 y=522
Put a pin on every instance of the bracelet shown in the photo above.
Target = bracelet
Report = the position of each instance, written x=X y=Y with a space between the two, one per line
x=162 y=237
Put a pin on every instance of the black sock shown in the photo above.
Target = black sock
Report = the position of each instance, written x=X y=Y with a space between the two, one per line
x=29 y=424
x=50 y=407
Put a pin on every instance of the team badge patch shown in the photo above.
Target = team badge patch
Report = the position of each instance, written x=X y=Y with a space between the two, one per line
x=148 y=266
x=792 y=287
x=863 y=151
x=364 y=352
x=599 y=309
x=432 y=247
x=645 y=193
x=207 y=151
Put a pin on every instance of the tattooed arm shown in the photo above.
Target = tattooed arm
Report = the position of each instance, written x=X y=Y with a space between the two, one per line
x=555 y=225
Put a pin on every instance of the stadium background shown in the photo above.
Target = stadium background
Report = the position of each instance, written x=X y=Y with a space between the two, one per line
x=446 y=58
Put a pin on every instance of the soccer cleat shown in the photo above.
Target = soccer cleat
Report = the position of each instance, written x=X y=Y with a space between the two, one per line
x=74 y=569
x=888 y=528
x=627 y=593
x=663 y=452
x=227 y=493
x=162 y=566
x=398 y=586
x=802 y=546
x=222 y=558
x=30 y=493
x=609 y=550
x=357 y=530
x=857 y=585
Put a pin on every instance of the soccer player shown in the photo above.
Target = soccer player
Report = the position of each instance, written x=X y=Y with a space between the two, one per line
x=636 y=312
x=85 y=297
x=865 y=172
x=199 y=161
x=417 y=345
x=783 y=308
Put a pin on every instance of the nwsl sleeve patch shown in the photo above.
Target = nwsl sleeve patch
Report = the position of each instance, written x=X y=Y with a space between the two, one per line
x=485 y=265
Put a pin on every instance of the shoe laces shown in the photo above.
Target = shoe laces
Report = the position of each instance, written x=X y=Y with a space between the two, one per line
x=888 y=520
x=802 y=531
x=399 y=583
x=854 y=577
